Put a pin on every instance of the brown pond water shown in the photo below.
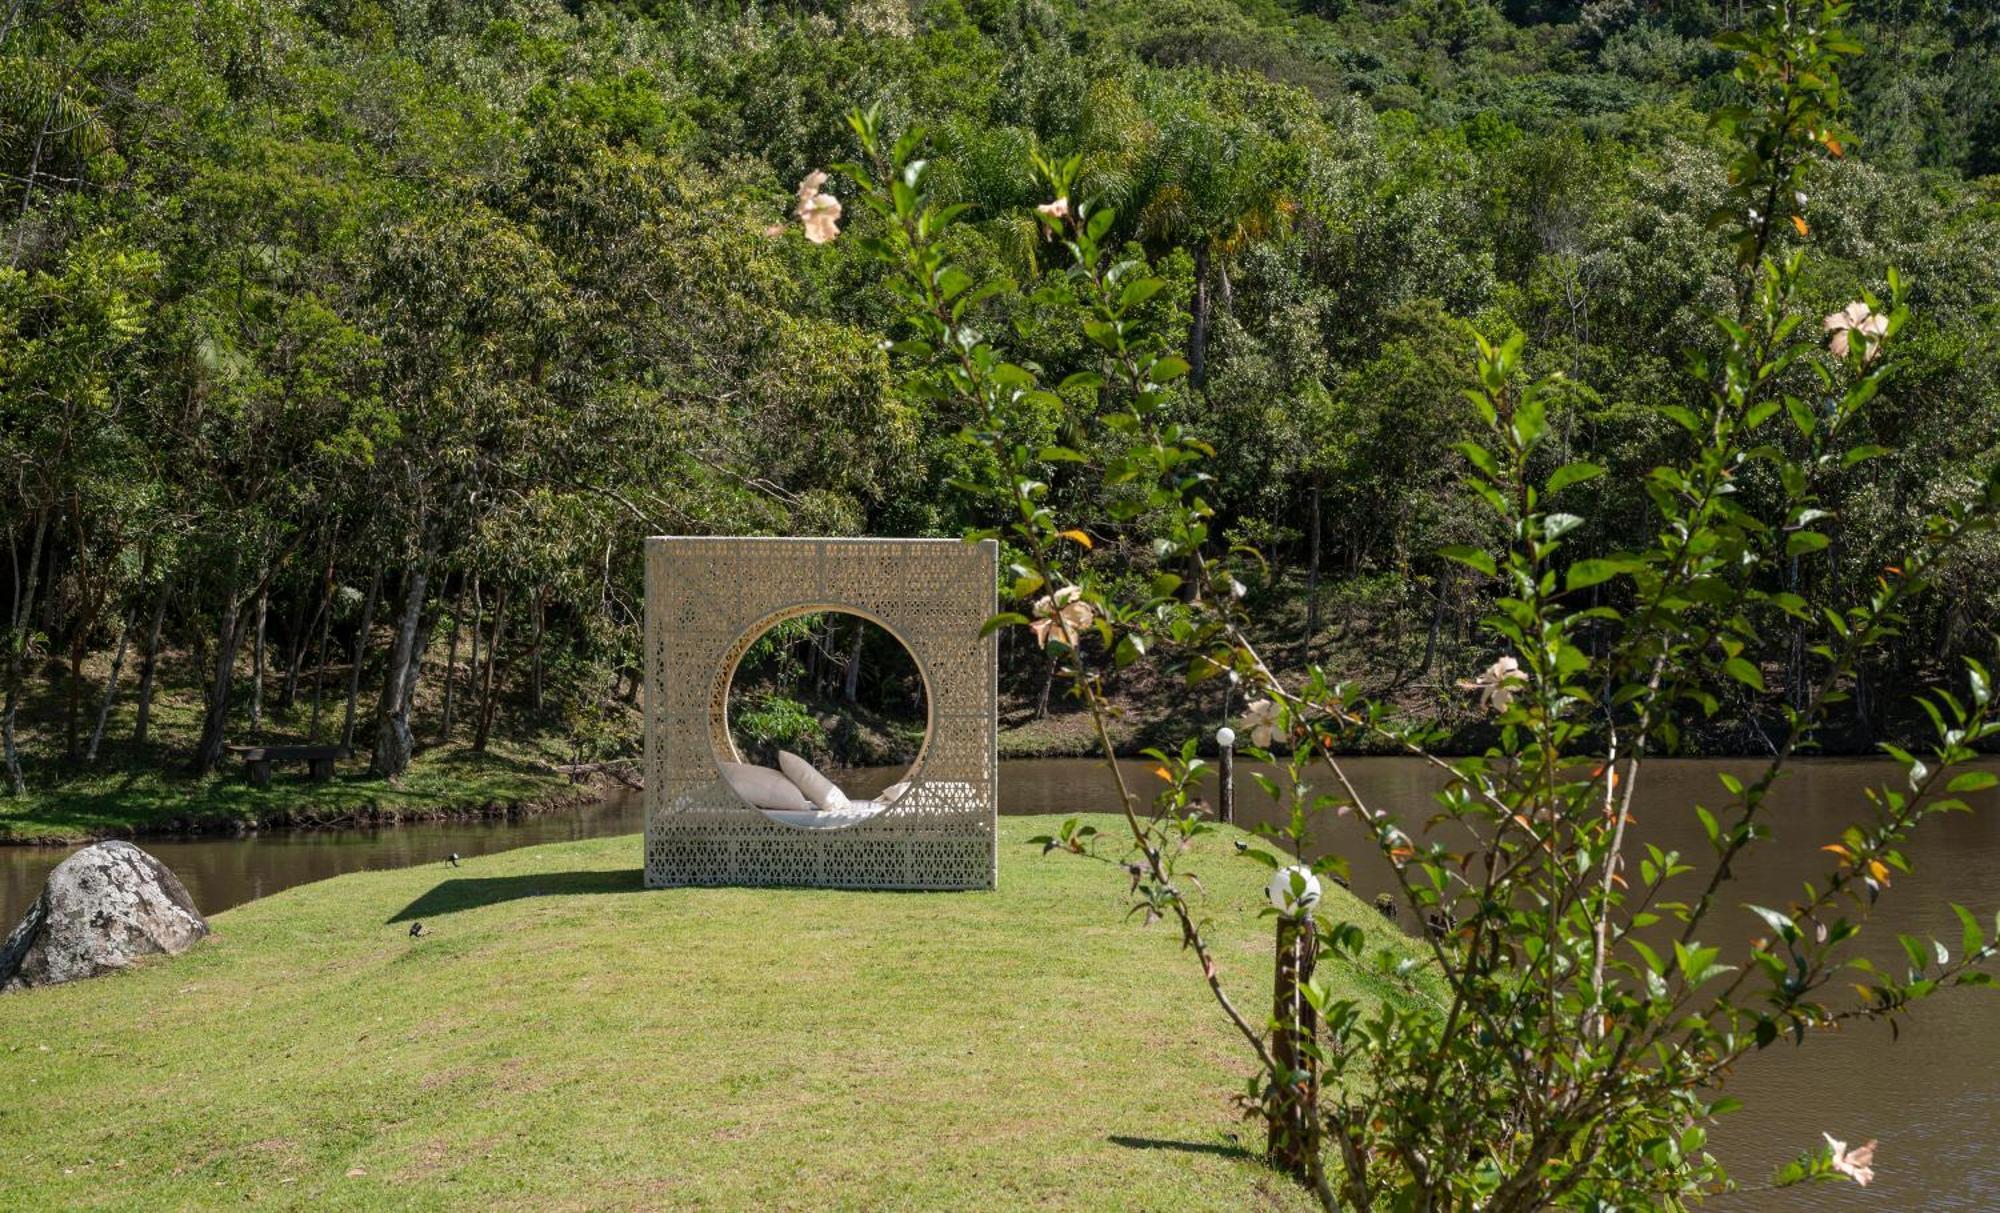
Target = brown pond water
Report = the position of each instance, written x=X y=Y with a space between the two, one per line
x=1933 y=1099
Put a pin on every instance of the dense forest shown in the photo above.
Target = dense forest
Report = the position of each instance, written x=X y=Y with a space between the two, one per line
x=349 y=349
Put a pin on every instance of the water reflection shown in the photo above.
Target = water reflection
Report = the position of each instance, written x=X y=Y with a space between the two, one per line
x=224 y=872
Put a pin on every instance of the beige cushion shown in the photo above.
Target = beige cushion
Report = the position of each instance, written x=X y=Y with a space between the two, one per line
x=817 y=787
x=892 y=793
x=763 y=787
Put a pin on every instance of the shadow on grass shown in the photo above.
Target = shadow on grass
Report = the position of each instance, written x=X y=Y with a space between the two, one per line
x=470 y=893
x=1184 y=1147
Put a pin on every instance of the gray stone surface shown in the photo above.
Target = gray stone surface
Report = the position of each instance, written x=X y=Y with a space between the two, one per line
x=103 y=908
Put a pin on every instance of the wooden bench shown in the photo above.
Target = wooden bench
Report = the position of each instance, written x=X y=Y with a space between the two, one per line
x=319 y=759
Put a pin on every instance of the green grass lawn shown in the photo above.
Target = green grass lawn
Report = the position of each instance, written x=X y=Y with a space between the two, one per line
x=564 y=1039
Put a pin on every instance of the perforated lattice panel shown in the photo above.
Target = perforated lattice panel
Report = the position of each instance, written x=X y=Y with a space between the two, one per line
x=707 y=599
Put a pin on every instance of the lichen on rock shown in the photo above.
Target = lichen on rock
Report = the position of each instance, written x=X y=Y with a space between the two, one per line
x=102 y=909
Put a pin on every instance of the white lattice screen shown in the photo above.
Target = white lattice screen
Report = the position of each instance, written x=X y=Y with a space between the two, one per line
x=707 y=599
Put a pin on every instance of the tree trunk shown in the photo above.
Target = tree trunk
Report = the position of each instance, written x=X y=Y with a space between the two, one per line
x=28 y=185
x=1437 y=621
x=486 y=701
x=148 y=667
x=451 y=660
x=1198 y=329
x=360 y=652
x=257 y=667
x=302 y=640
x=110 y=688
x=535 y=650
x=393 y=743
x=319 y=662
x=73 y=705
x=1312 y=571
x=1048 y=685
x=850 y=683
x=472 y=658
x=17 y=653
x=215 y=725
x=414 y=671
x=295 y=634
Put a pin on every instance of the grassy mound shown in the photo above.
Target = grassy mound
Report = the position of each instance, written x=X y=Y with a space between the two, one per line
x=563 y=1039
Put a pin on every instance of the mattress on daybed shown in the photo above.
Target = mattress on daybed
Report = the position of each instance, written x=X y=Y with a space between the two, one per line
x=856 y=810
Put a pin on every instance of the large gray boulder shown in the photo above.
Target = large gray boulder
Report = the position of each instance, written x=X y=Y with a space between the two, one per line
x=103 y=908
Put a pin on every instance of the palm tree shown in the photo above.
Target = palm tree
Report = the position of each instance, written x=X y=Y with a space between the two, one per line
x=1209 y=184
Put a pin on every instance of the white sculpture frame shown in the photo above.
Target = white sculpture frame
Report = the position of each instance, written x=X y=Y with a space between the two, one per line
x=709 y=599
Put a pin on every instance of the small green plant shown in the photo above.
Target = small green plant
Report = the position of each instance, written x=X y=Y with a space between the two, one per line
x=1563 y=1044
x=775 y=722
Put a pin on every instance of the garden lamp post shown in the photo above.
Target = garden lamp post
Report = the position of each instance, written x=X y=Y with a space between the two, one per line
x=1294 y=892
x=1225 y=797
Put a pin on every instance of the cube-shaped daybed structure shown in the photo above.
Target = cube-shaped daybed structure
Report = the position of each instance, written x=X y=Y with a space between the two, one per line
x=707 y=602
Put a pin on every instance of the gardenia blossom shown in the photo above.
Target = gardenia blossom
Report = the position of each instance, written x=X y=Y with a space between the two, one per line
x=1857 y=1164
x=1064 y=613
x=820 y=213
x=1856 y=317
x=1260 y=719
x=1496 y=684
x=1057 y=210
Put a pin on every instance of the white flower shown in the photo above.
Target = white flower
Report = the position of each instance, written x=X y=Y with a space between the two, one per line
x=1857 y=1164
x=1856 y=317
x=1064 y=613
x=1260 y=718
x=1294 y=891
x=820 y=213
x=810 y=186
x=1496 y=684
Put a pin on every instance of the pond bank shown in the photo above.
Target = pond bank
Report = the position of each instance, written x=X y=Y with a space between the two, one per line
x=443 y=784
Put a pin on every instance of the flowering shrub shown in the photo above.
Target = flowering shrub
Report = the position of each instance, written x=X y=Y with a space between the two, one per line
x=1583 y=1024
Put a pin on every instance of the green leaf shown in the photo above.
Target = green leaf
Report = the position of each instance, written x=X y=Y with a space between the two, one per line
x=1586 y=573
x=1745 y=673
x=1573 y=473
x=1470 y=557
x=1005 y=619
x=1139 y=290
x=1971 y=938
x=1801 y=542
x=1971 y=781
x=1787 y=929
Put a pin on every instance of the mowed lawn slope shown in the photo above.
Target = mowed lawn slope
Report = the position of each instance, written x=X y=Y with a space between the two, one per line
x=563 y=1039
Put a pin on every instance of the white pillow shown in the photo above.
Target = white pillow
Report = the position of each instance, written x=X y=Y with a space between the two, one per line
x=892 y=793
x=763 y=787
x=817 y=787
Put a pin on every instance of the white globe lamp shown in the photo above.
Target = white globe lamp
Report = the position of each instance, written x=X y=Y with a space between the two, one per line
x=1294 y=891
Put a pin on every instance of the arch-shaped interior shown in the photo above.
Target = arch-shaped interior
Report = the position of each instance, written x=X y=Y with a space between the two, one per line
x=821 y=716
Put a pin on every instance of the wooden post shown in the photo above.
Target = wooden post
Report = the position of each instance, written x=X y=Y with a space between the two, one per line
x=1290 y=1146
